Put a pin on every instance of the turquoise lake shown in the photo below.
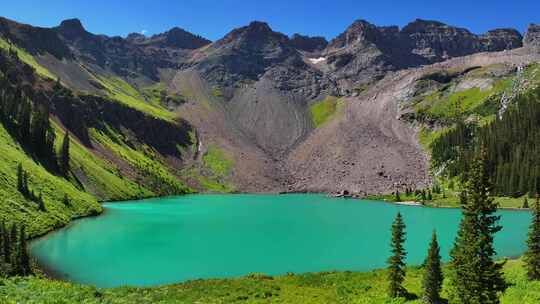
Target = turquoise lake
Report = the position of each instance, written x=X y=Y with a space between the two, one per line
x=168 y=240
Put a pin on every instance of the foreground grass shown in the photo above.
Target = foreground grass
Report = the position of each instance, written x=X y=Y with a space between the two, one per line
x=328 y=287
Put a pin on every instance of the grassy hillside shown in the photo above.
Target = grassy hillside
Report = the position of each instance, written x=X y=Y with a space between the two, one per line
x=118 y=89
x=26 y=58
x=472 y=96
x=99 y=177
x=154 y=174
x=15 y=208
x=330 y=287
x=107 y=162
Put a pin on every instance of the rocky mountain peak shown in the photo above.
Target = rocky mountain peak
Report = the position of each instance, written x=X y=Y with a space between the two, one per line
x=501 y=39
x=532 y=37
x=135 y=38
x=259 y=26
x=359 y=32
x=308 y=44
x=421 y=25
x=178 y=38
x=71 y=29
x=256 y=37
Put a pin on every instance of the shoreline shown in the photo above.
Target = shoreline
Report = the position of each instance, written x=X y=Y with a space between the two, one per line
x=43 y=269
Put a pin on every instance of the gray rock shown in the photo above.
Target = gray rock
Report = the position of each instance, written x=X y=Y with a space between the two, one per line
x=532 y=37
x=365 y=52
x=308 y=44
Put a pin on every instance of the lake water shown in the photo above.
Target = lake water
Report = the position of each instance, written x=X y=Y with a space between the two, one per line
x=167 y=240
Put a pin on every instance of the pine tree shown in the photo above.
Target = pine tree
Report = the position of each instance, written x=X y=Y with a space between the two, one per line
x=2 y=238
x=476 y=278
x=66 y=200
x=27 y=191
x=396 y=263
x=532 y=255
x=525 y=203
x=433 y=276
x=24 y=259
x=64 y=155
x=41 y=203
x=25 y=115
x=7 y=244
x=13 y=253
x=57 y=85
x=398 y=198
x=20 y=179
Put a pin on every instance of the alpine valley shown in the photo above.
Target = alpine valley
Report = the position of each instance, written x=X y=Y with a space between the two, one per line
x=375 y=112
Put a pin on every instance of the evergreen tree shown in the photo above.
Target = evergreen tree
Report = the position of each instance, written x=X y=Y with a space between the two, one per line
x=24 y=259
x=66 y=200
x=20 y=179
x=429 y=196
x=396 y=262
x=532 y=255
x=25 y=117
x=42 y=134
x=64 y=155
x=476 y=278
x=13 y=253
x=6 y=244
x=398 y=198
x=57 y=85
x=525 y=203
x=27 y=191
x=41 y=203
x=511 y=143
x=433 y=276
x=2 y=238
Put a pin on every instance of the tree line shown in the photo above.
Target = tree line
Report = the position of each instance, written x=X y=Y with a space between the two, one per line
x=28 y=121
x=474 y=276
x=30 y=125
x=512 y=144
x=14 y=258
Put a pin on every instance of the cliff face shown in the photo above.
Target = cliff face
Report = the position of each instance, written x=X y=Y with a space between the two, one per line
x=365 y=52
x=437 y=41
x=532 y=37
x=308 y=44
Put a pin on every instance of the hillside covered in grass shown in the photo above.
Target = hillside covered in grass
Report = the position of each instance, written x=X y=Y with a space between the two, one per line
x=121 y=147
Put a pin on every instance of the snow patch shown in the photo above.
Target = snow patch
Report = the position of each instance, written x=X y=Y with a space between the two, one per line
x=317 y=60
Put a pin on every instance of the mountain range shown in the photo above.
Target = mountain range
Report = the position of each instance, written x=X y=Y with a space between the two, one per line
x=255 y=111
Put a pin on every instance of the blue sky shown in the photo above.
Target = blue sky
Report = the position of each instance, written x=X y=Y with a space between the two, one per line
x=213 y=18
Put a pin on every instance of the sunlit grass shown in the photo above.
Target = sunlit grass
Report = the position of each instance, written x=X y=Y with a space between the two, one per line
x=27 y=58
x=323 y=110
